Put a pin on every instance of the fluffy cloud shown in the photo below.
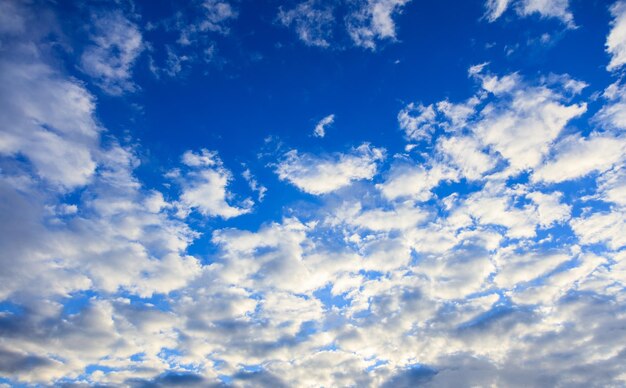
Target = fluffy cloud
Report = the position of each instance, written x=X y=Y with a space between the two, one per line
x=461 y=264
x=325 y=174
x=48 y=119
x=616 y=40
x=373 y=21
x=601 y=228
x=204 y=186
x=524 y=121
x=116 y=45
x=576 y=157
x=415 y=182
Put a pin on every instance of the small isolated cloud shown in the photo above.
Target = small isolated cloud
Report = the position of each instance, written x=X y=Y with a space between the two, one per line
x=116 y=43
x=320 y=128
x=205 y=187
x=374 y=21
x=558 y=9
x=254 y=184
x=324 y=174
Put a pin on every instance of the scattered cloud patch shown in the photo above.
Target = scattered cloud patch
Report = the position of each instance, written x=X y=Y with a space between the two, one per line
x=366 y=23
x=205 y=187
x=116 y=43
x=312 y=20
x=324 y=174
x=616 y=40
x=558 y=9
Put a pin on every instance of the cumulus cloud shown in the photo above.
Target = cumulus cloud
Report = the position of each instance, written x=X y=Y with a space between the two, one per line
x=461 y=263
x=204 y=186
x=524 y=121
x=324 y=174
x=415 y=182
x=601 y=227
x=116 y=43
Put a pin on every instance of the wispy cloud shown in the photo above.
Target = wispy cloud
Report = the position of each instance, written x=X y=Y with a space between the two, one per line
x=320 y=128
x=116 y=43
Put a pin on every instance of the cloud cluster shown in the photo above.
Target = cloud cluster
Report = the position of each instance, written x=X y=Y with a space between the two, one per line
x=495 y=257
x=366 y=22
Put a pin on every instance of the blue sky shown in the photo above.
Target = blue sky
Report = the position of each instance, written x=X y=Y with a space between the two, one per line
x=312 y=193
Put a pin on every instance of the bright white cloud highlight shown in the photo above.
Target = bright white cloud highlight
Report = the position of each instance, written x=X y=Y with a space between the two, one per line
x=616 y=40
x=204 y=187
x=325 y=174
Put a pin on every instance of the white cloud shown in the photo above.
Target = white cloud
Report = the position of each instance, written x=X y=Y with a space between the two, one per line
x=254 y=184
x=612 y=186
x=205 y=187
x=495 y=8
x=524 y=122
x=366 y=22
x=211 y=16
x=313 y=22
x=320 y=128
x=387 y=285
x=601 y=228
x=325 y=174
x=116 y=43
x=417 y=121
x=613 y=114
x=465 y=153
x=408 y=181
x=558 y=9
x=373 y=21
x=576 y=157
x=216 y=14
x=616 y=40
x=513 y=269
x=48 y=119
x=496 y=205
